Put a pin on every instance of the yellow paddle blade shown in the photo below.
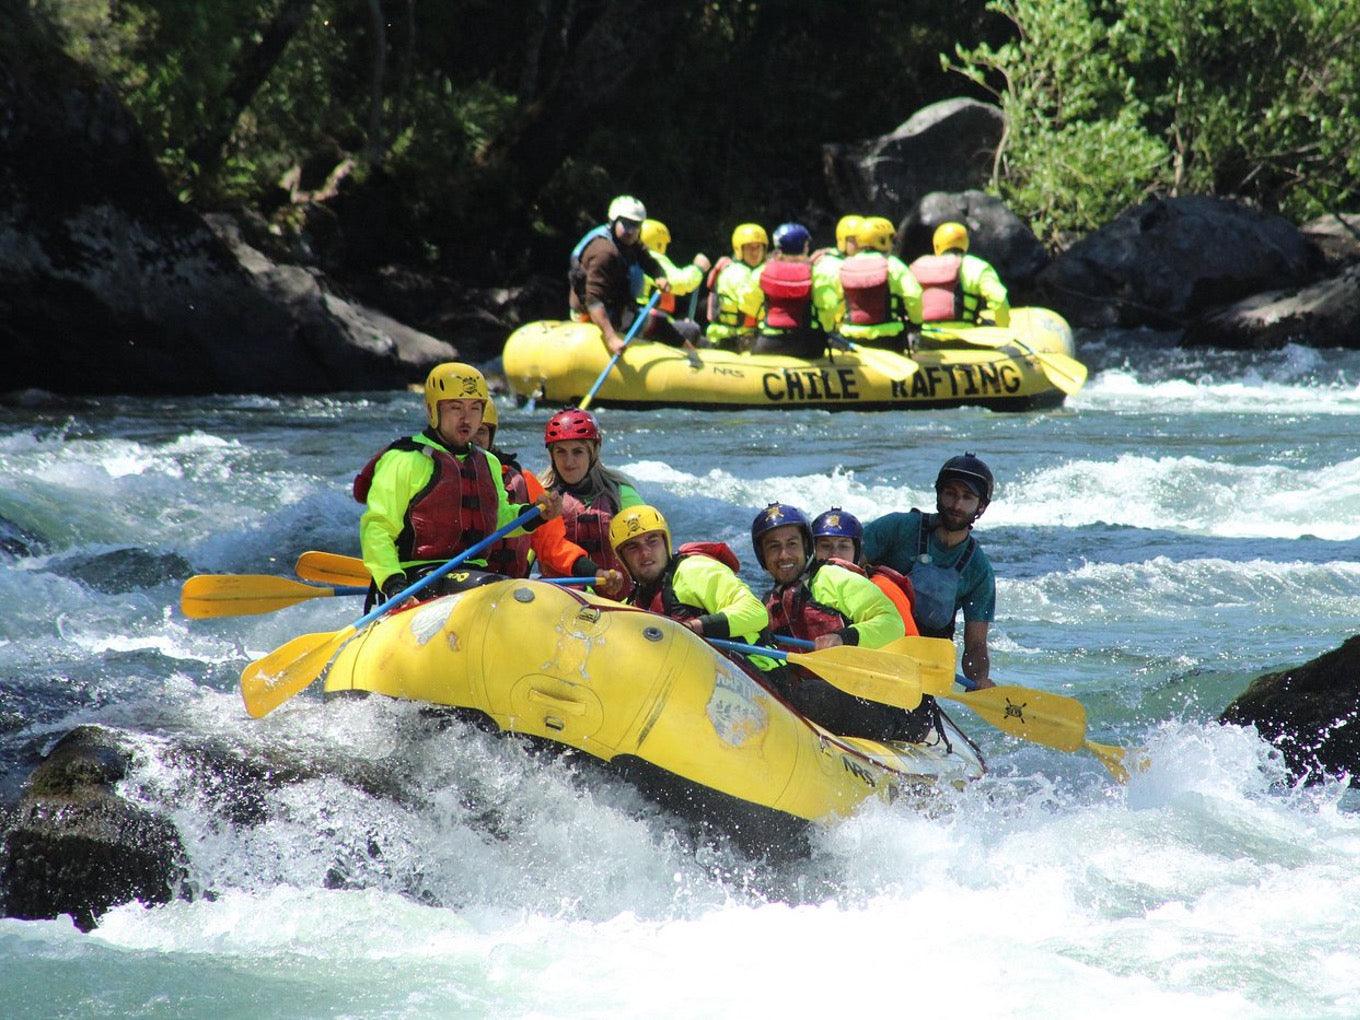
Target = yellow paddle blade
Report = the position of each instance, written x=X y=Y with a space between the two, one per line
x=1111 y=757
x=1053 y=720
x=205 y=596
x=332 y=568
x=1063 y=371
x=869 y=673
x=289 y=669
x=934 y=658
x=1066 y=373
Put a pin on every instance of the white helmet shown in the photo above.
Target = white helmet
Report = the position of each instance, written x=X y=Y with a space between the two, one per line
x=626 y=207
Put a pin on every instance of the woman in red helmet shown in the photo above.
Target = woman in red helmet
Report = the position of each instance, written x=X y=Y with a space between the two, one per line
x=591 y=493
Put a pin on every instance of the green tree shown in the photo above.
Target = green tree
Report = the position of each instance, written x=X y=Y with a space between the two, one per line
x=1110 y=102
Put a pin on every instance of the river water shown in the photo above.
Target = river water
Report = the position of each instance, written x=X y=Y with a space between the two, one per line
x=1188 y=521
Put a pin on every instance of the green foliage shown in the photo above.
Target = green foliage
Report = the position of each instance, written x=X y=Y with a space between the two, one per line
x=1109 y=101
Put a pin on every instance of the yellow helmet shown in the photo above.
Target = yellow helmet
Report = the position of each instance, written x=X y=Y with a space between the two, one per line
x=453 y=380
x=635 y=521
x=949 y=236
x=846 y=227
x=876 y=232
x=748 y=233
x=491 y=418
x=655 y=235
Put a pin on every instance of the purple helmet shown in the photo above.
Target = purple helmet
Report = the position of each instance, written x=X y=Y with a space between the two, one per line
x=792 y=238
x=776 y=515
x=840 y=524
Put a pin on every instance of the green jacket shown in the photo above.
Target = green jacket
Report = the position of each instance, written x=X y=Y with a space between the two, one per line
x=398 y=477
x=737 y=294
x=828 y=300
x=730 y=608
x=682 y=281
x=977 y=277
x=874 y=618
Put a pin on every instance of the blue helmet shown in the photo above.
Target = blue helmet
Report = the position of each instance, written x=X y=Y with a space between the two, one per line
x=776 y=515
x=841 y=524
x=792 y=238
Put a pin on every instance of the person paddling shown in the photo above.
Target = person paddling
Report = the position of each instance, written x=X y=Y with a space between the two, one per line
x=432 y=495
x=664 y=322
x=696 y=584
x=829 y=604
x=591 y=493
x=957 y=286
x=948 y=568
x=838 y=536
x=607 y=269
x=733 y=294
x=548 y=544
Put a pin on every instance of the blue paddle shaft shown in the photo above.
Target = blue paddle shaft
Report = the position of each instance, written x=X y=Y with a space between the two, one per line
x=628 y=339
x=435 y=575
x=737 y=646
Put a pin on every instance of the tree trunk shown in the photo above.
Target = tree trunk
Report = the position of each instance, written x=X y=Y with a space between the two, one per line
x=252 y=69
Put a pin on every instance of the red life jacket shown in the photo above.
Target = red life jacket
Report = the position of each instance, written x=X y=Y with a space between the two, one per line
x=942 y=298
x=510 y=556
x=457 y=508
x=787 y=284
x=794 y=612
x=865 y=283
x=588 y=527
x=716 y=312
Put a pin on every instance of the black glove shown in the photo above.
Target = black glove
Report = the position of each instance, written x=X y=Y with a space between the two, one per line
x=394 y=584
x=585 y=567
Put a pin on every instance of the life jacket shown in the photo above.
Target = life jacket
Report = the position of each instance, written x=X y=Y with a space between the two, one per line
x=864 y=279
x=458 y=507
x=936 y=588
x=510 y=556
x=716 y=313
x=794 y=612
x=588 y=527
x=576 y=277
x=899 y=591
x=942 y=296
x=787 y=284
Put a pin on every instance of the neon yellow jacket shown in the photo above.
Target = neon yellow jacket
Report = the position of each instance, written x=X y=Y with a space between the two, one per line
x=737 y=291
x=703 y=582
x=977 y=277
x=398 y=477
x=901 y=284
x=682 y=281
x=827 y=297
x=873 y=617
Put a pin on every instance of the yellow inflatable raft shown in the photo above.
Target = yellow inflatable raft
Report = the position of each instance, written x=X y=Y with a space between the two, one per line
x=1025 y=366
x=638 y=691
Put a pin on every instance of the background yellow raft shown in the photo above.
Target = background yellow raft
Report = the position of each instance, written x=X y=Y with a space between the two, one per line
x=1025 y=366
x=630 y=687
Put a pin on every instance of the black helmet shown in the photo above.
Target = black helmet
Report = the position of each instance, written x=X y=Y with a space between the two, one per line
x=972 y=472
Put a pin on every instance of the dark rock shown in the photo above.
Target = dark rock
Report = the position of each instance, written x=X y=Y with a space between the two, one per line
x=122 y=570
x=1309 y=712
x=947 y=146
x=73 y=846
x=109 y=285
x=1326 y=314
x=1169 y=261
x=994 y=233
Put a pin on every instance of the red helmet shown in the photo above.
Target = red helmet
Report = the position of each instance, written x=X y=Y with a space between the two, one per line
x=573 y=423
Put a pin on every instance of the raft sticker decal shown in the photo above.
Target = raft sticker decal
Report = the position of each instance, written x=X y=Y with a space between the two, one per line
x=431 y=618
x=736 y=715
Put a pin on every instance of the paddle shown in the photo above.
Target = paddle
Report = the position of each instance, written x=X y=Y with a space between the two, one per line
x=289 y=669
x=331 y=568
x=205 y=596
x=863 y=672
x=1041 y=717
x=1065 y=372
x=211 y=595
x=628 y=339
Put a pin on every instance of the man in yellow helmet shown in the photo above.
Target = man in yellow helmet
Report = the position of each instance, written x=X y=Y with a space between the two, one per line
x=696 y=584
x=432 y=495
x=827 y=297
x=880 y=294
x=733 y=293
x=607 y=269
x=665 y=323
x=956 y=286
